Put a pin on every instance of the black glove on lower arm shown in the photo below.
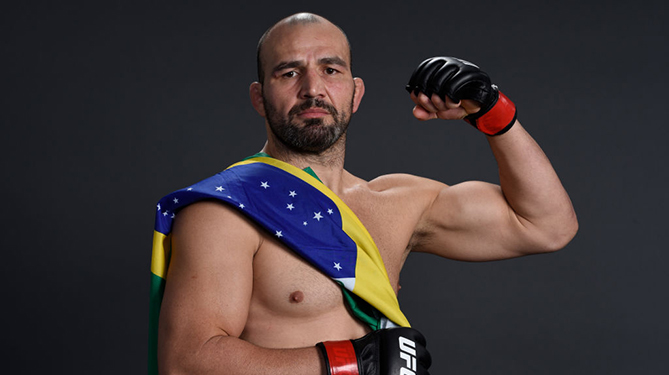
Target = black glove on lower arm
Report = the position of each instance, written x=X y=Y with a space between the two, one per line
x=459 y=79
x=395 y=351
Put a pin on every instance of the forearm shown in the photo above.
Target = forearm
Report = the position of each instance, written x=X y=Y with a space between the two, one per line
x=230 y=355
x=532 y=188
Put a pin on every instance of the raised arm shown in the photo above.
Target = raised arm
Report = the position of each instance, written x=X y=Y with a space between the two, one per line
x=530 y=212
x=207 y=298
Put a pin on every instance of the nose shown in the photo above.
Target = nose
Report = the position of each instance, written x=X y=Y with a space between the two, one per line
x=311 y=85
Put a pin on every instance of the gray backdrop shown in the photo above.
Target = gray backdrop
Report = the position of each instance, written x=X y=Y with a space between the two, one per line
x=108 y=106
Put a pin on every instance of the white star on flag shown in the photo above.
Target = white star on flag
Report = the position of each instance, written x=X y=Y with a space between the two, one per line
x=337 y=266
x=318 y=216
x=330 y=211
x=165 y=213
x=292 y=194
x=158 y=206
x=290 y=206
x=279 y=233
x=219 y=188
x=304 y=223
x=175 y=200
x=241 y=205
x=264 y=185
x=172 y=217
x=189 y=189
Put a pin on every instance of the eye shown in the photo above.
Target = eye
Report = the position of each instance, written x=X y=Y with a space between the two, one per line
x=331 y=71
x=289 y=74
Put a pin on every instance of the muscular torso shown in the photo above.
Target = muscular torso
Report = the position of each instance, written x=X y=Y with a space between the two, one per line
x=294 y=305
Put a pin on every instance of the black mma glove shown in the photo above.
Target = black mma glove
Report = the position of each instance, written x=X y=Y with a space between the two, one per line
x=459 y=79
x=391 y=351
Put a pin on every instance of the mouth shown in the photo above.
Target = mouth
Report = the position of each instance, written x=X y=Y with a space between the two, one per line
x=313 y=113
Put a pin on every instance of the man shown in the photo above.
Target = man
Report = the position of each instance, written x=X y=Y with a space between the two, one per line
x=239 y=300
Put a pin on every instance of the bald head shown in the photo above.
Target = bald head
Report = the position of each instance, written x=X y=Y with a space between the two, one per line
x=296 y=20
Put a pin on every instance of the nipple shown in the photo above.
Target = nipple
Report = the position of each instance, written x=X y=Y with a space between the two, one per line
x=296 y=297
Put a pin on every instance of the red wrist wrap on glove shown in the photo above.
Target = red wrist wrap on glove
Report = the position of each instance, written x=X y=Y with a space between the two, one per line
x=340 y=358
x=498 y=119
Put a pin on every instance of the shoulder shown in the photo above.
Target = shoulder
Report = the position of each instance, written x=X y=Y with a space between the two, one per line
x=403 y=182
x=402 y=193
x=209 y=224
x=206 y=211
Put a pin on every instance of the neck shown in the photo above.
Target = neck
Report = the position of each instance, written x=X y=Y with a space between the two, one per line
x=328 y=165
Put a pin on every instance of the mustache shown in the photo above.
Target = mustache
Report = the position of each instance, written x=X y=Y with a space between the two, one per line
x=313 y=103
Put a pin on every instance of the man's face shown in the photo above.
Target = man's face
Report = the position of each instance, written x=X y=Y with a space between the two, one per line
x=308 y=92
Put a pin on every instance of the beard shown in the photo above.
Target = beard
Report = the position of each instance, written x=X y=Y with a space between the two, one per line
x=315 y=135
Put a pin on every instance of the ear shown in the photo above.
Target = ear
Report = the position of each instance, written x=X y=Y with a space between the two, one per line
x=359 y=93
x=255 y=92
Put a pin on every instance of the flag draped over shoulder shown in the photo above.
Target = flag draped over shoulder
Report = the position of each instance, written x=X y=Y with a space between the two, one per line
x=300 y=211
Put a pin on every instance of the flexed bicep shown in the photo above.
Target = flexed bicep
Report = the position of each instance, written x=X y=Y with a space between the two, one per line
x=471 y=221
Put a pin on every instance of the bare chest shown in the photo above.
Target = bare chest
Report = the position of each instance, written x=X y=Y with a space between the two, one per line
x=293 y=304
x=289 y=285
x=290 y=295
